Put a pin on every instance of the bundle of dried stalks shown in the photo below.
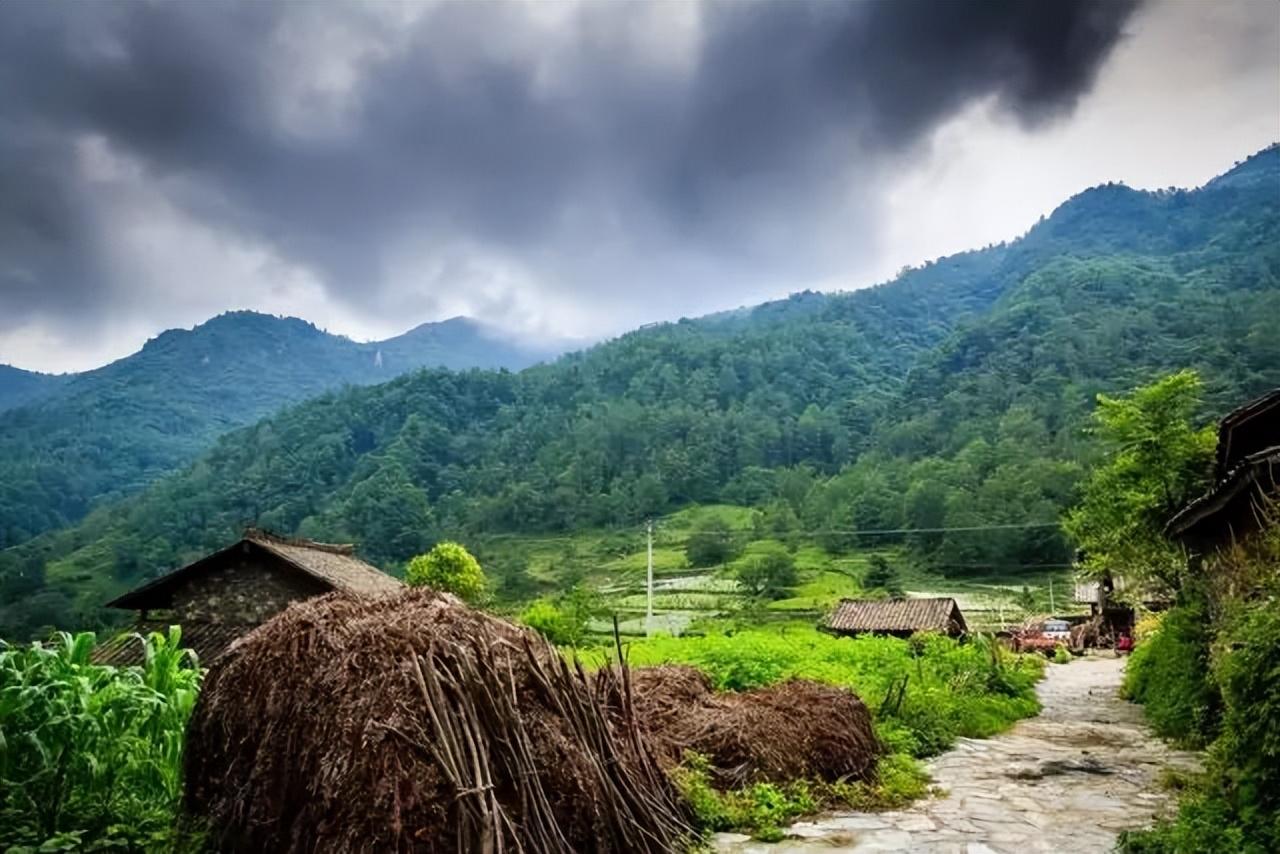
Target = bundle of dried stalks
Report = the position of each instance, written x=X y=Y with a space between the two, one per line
x=789 y=731
x=417 y=724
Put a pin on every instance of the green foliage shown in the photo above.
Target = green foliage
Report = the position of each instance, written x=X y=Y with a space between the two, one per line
x=98 y=435
x=711 y=544
x=448 y=567
x=952 y=397
x=924 y=698
x=564 y=619
x=768 y=573
x=881 y=576
x=1156 y=462
x=764 y=809
x=91 y=756
x=1169 y=674
x=1061 y=655
x=897 y=782
x=761 y=809
x=1235 y=804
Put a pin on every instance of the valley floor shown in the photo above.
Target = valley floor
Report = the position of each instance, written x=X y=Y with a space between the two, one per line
x=1069 y=779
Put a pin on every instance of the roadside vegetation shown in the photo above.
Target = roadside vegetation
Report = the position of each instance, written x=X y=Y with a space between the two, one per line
x=923 y=692
x=1206 y=670
x=91 y=756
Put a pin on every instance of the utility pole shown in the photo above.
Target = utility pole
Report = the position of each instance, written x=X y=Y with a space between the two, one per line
x=648 y=611
x=1052 y=609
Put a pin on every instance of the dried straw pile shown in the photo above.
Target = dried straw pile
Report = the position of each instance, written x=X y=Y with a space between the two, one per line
x=417 y=724
x=792 y=730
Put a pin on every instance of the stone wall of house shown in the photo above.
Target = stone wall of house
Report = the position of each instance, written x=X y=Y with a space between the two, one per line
x=249 y=588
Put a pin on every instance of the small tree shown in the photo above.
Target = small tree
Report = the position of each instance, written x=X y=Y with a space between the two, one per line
x=448 y=567
x=1156 y=461
x=768 y=575
x=881 y=576
x=564 y=620
x=711 y=544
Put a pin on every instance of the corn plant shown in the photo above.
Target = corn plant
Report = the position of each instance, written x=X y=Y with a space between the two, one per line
x=91 y=755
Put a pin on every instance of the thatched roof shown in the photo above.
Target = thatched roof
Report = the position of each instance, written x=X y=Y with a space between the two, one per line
x=335 y=566
x=897 y=615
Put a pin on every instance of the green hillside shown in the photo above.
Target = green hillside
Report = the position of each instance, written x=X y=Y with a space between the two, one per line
x=19 y=387
x=952 y=397
x=86 y=438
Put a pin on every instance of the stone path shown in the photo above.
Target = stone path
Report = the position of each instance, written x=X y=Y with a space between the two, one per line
x=1067 y=780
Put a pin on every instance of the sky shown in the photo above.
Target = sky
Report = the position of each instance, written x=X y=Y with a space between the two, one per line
x=569 y=169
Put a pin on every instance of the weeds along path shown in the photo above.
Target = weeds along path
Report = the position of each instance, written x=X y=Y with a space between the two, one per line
x=1069 y=779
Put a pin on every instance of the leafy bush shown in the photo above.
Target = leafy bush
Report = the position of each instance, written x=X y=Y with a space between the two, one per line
x=1235 y=804
x=711 y=544
x=565 y=619
x=761 y=809
x=881 y=576
x=1169 y=674
x=764 y=809
x=924 y=692
x=1061 y=655
x=768 y=574
x=91 y=756
x=448 y=567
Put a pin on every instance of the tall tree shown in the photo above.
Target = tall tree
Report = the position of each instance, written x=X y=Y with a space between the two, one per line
x=1156 y=460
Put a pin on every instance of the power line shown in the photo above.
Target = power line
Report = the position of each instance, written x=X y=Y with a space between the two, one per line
x=1013 y=526
x=873 y=531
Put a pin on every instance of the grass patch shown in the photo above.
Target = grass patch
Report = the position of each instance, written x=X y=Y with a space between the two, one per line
x=765 y=809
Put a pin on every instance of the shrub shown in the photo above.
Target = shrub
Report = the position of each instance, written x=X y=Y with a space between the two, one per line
x=711 y=544
x=564 y=620
x=448 y=567
x=881 y=576
x=761 y=809
x=764 y=809
x=768 y=574
x=1061 y=655
x=1169 y=674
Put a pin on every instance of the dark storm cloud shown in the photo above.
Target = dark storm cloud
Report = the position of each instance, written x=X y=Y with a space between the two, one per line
x=599 y=151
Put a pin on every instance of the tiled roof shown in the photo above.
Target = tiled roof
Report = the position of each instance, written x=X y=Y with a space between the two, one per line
x=335 y=565
x=1260 y=472
x=896 y=615
x=206 y=640
x=1246 y=430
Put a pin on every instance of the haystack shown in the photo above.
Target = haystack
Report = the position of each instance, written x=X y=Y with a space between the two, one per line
x=417 y=724
x=793 y=730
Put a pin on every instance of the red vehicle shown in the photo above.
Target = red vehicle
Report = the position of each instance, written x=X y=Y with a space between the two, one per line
x=1035 y=642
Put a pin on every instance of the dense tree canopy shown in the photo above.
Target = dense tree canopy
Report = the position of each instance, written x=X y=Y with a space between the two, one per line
x=955 y=397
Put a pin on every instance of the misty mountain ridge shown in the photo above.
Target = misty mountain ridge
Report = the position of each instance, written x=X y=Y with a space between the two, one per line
x=955 y=395
x=69 y=441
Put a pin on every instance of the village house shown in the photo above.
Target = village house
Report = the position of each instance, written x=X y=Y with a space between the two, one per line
x=897 y=617
x=1246 y=482
x=223 y=595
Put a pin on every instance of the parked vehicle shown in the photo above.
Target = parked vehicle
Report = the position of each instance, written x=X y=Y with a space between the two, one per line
x=1043 y=638
x=1058 y=630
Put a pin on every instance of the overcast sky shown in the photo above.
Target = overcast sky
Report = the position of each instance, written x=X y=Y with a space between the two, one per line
x=569 y=169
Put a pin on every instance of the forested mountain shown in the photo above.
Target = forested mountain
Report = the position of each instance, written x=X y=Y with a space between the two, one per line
x=955 y=395
x=18 y=387
x=89 y=437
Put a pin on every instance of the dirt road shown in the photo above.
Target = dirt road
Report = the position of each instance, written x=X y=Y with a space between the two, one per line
x=1067 y=780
